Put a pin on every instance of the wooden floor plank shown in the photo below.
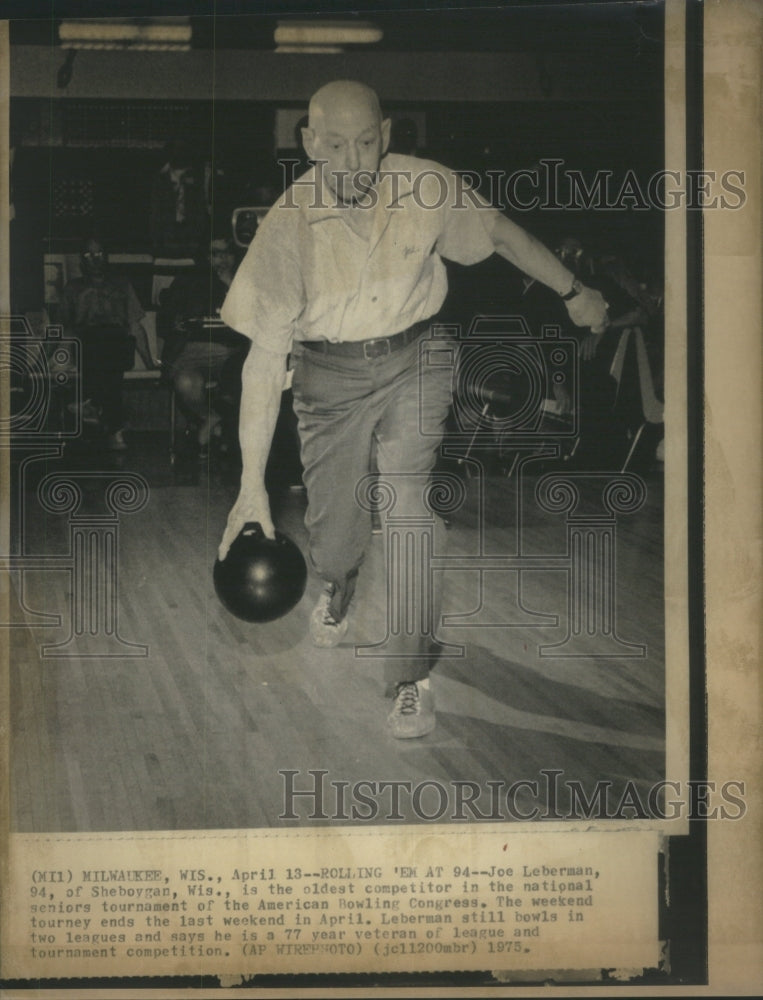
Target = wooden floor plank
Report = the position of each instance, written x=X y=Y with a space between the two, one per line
x=196 y=734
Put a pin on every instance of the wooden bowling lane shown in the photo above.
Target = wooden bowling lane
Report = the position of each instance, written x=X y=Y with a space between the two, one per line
x=196 y=734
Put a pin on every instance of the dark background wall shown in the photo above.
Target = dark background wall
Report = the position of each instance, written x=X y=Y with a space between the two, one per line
x=498 y=91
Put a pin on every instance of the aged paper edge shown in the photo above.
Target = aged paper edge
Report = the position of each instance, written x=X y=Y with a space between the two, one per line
x=732 y=437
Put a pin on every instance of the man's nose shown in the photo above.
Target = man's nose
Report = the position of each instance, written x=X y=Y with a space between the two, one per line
x=353 y=157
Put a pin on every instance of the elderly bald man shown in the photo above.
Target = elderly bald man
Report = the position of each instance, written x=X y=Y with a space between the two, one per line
x=345 y=274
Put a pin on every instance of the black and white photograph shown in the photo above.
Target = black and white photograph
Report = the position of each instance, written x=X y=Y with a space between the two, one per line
x=352 y=488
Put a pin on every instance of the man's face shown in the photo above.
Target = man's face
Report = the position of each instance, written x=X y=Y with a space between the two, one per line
x=350 y=139
x=94 y=259
x=570 y=253
x=221 y=256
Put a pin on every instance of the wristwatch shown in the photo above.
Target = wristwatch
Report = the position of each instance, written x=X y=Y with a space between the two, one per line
x=577 y=288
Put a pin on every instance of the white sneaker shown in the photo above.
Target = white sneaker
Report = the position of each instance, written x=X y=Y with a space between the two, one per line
x=325 y=630
x=412 y=714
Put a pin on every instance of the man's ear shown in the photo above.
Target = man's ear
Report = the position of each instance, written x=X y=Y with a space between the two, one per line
x=308 y=141
x=386 y=126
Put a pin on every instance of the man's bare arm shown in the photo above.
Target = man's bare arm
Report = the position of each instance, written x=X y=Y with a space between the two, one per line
x=262 y=381
x=520 y=248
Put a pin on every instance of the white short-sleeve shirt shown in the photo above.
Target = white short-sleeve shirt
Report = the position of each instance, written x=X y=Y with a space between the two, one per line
x=308 y=276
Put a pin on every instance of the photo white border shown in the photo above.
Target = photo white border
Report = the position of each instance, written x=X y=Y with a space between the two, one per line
x=732 y=268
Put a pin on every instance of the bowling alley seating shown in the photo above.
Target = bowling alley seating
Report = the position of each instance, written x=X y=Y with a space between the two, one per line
x=505 y=393
x=636 y=402
x=637 y=414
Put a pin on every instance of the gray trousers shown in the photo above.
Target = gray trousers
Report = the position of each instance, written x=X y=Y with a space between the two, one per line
x=349 y=409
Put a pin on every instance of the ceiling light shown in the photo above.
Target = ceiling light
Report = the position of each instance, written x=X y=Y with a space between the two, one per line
x=324 y=50
x=324 y=36
x=147 y=34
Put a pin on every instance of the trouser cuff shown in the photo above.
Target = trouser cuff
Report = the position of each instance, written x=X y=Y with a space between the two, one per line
x=397 y=671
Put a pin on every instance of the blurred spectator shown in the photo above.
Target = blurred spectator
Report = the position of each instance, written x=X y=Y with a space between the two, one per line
x=179 y=212
x=103 y=311
x=604 y=429
x=196 y=342
x=603 y=434
x=611 y=276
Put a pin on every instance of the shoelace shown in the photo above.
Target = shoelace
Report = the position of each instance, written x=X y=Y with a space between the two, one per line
x=407 y=699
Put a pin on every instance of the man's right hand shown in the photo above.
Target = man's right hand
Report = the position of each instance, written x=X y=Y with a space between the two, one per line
x=261 y=385
x=250 y=505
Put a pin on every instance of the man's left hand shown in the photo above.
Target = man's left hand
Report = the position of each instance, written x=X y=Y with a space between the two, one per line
x=589 y=309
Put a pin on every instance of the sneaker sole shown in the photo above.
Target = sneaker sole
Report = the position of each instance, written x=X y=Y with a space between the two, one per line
x=328 y=641
x=428 y=726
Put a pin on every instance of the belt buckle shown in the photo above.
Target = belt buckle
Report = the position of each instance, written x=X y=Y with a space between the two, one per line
x=377 y=348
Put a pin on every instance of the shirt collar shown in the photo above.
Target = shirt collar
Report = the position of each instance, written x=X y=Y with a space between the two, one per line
x=395 y=182
x=390 y=192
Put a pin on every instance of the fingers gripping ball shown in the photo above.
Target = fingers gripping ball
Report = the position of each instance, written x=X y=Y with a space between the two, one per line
x=261 y=578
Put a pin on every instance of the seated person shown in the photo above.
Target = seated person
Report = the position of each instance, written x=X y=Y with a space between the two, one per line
x=103 y=312
x=602 y=442
x=628 y=306
x=196 y=342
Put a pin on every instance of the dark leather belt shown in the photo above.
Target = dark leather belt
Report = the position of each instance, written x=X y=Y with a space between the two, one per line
x=379 y=347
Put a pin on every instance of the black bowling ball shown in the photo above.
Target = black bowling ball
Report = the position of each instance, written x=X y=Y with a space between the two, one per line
x=261 y=578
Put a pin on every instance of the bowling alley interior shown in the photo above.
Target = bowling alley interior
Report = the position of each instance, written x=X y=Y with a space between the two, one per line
x=137 y=700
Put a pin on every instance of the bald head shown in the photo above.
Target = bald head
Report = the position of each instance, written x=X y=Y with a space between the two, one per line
x=346 y=136
x=343 y=97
